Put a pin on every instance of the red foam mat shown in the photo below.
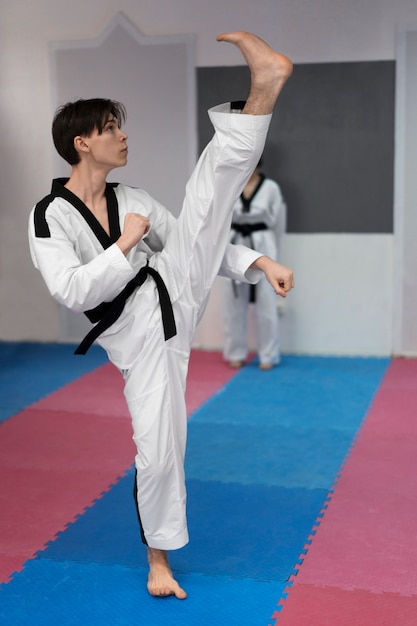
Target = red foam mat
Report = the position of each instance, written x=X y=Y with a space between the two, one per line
x=207 y=373
x=366 y=539
x=309 y=605
x=53 y=465
x=101 y=392
x=63 y=452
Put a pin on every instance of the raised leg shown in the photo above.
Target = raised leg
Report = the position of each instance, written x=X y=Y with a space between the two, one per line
x=193 y=253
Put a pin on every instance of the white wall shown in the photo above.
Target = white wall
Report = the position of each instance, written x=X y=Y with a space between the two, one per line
x=341 y=303
x=307 y=30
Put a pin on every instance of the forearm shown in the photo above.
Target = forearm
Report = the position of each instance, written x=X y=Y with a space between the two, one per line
x=261 y=263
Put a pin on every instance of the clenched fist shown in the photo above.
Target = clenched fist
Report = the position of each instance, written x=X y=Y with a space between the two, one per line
x=134 y=228
x=280 y=277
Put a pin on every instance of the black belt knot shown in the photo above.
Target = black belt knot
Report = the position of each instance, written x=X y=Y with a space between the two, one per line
x=106 y=313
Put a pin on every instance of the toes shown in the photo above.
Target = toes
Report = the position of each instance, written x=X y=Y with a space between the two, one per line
x=180 y=594
x=164 y=592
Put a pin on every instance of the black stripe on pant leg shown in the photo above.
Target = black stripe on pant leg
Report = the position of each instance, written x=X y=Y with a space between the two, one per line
x=135 y=497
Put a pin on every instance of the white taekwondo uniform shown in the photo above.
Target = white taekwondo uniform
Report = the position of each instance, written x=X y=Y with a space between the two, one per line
x=83 y=267
x=258 y=222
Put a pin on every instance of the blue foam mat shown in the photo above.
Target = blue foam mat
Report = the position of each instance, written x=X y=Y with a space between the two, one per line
x=266 y=455
x=74 y=594
x=302 y=392
x=30 y=371
x=236 y=530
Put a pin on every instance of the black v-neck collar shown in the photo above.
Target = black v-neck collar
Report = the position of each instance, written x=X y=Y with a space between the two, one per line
x=247 y=201
x=59 y=190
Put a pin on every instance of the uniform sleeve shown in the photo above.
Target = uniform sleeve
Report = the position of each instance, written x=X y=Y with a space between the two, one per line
x=77 y=286
x=236 y=264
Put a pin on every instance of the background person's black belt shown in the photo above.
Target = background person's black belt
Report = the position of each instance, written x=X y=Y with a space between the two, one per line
x=106 y=313
x=248 y=229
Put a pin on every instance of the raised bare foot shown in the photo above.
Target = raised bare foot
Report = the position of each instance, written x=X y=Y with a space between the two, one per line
x=161 y=582
x=269 y=69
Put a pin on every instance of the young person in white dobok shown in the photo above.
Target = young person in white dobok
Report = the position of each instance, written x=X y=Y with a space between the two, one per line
x=259 y=222
x=143 y=277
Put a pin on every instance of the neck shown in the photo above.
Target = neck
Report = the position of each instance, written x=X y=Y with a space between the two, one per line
x=85 y=184
x=255 y=177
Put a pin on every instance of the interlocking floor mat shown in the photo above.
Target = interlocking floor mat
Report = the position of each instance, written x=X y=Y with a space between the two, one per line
x=264 y=451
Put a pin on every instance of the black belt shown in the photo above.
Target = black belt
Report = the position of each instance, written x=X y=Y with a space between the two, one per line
x=108 y=312
x=247 y=229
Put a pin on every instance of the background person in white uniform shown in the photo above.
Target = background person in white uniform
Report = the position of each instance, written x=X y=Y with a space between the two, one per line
x=105 y=249
x=259 y=222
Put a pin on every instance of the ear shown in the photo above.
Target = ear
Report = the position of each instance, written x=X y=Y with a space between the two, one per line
x=80 y=144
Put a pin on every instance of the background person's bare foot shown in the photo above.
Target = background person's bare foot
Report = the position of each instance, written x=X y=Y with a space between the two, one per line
x=235 y=365
x=265 y=366
x=161 y=582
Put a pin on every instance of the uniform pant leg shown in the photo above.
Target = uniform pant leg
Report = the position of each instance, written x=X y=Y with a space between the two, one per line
x=195 y=248
x=235 y=305
x=155 y=394
x=267 y=323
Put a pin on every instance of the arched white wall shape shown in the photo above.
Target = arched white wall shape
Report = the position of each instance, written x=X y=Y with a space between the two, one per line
x=154 y=77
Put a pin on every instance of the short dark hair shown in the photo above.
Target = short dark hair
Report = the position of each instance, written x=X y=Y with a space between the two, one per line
x=82 y=118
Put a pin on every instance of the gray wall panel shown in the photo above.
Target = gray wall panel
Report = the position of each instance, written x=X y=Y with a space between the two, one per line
x=331 y=142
